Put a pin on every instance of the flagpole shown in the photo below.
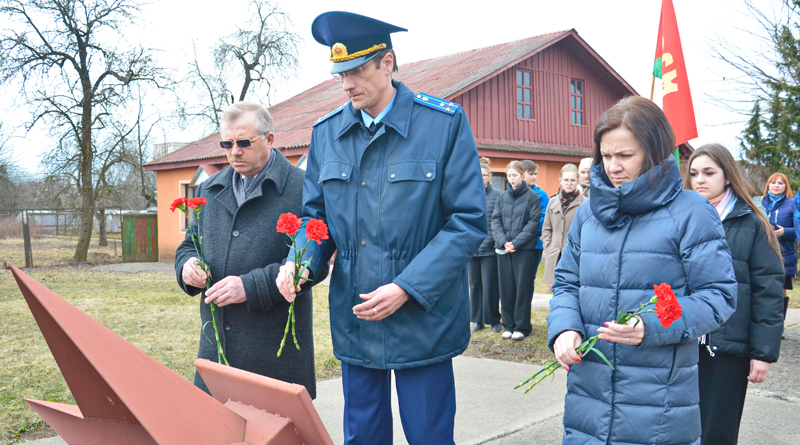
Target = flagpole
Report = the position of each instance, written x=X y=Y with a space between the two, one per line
x=652 y=87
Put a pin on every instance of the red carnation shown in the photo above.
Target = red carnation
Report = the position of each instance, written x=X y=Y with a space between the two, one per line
x=316 y=230
x=667 y=307
x=177 y=203
x=288 y=223
x=194 y=202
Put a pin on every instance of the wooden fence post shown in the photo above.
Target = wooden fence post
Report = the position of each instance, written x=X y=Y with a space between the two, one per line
x=26 y=237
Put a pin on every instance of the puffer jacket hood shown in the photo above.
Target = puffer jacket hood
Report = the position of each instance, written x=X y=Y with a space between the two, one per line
x=648 y=231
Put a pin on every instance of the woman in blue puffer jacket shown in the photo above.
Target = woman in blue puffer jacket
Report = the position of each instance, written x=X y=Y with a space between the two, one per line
x=640 y=229
x=780 y=207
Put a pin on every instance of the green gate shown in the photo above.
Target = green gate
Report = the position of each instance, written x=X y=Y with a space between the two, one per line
x=139 y=238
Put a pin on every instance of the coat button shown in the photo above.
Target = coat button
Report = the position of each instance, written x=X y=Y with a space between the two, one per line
x=366 y=362
x=235 y=233
x=344 y=175
x=430 y=174
x=392 y=176
x=227 y=327
x=363 y=184
x=714 y=348
x=363 y=244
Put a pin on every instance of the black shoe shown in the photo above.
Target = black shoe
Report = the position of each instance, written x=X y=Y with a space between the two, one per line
x=475 y=327
x=497 y=328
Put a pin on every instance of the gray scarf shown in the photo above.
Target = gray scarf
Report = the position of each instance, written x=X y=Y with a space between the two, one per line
x=243 y=187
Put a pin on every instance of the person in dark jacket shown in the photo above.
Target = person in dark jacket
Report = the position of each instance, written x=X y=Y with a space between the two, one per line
x=515 y=223
x=484 y=293
x=638 y=229
x=244 y=251
x=741 y=350
x=779 y=203
x=531 y=173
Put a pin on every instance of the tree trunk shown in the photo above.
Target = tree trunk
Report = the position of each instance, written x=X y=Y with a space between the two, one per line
x=101 y=218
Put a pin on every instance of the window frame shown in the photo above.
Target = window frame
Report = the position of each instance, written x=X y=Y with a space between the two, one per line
x=186 y=190
x=529 y=88
x=582 y=96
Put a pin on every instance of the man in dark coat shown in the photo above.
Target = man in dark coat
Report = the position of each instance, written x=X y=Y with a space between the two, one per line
x=396 y=177
x=244 y=252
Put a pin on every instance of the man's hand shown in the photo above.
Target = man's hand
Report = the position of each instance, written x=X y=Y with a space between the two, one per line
x=758 y=371
x=623 y=333
x=192 y=274
x=229 y=290
x=564 y=348
x=285 y=280
x=380 y=303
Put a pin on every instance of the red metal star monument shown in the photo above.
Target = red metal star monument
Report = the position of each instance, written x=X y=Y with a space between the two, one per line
x=124 y=396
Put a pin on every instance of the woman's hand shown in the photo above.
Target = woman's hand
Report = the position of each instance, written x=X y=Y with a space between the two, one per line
x=758 y=371
x=509 y=247
x=564 y=348
x=779 y=231
x=623 y=333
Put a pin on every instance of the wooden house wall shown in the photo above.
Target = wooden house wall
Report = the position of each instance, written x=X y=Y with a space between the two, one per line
x=492 y=111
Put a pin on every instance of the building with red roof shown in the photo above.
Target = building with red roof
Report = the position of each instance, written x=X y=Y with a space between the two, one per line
x=538 y=98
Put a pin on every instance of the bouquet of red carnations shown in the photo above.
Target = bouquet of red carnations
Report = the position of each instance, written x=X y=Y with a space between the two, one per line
x=667 y=310
x=316 y=230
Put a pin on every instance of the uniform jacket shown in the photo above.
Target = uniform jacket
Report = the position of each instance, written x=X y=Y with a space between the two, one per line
x=244 y=242
x=543 y=200
x=755 y=329
x=516 y=218
x=554 y=233
x=622 y=242
x=406 y=207
x=781 y=213
x=487 y=246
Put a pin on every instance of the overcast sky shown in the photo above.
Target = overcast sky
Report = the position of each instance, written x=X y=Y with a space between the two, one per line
x=623 y=32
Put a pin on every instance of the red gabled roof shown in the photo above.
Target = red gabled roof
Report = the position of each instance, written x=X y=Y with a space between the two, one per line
x=444 y=77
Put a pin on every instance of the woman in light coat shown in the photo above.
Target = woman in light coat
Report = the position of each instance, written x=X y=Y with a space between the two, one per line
x=638 y=229
x=557 y=219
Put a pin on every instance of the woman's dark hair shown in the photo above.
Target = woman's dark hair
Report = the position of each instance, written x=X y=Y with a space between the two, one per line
x=724 y=160
x=648 y=124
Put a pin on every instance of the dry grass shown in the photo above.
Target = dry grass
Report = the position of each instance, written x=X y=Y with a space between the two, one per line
x=57 y=251
x=147 y=309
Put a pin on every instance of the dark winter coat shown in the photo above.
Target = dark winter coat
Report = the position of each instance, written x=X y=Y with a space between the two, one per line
x=781 y=213
x=487 y=246
x=755 y=329
x=622 y=242
x=516 y=218
x=244 y=242
x=405 y=206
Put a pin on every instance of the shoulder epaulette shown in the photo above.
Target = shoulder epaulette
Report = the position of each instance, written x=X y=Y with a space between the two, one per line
x=324 y=118
x=436 y=103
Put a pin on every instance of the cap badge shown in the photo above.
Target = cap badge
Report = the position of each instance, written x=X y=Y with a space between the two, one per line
x=338 y=50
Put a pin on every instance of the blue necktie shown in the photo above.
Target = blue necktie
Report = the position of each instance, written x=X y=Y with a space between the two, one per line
x=372 y=128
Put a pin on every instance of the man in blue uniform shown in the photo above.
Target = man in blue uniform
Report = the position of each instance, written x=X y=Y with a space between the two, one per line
x=396 y=177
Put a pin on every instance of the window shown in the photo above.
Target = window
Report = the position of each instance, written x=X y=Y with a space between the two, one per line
x=523 y=94
x=187 y=191
x=576 y=101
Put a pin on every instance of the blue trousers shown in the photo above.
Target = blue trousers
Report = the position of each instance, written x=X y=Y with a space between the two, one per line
x=426 y=396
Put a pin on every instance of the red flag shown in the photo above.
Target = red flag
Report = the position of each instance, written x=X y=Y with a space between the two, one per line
x=677 y=99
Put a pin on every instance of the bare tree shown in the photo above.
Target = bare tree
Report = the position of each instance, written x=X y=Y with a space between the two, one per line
x=263 y=52
x=74 y=72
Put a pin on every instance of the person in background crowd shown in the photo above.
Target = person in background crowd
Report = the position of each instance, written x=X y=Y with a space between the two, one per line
x=484 y=293
x=583 y=174
x=780 y=206
x=742 y=349
x=515 y=223
x=638 y=229
x=244 y=252
x=531 y=172
x=558 y=218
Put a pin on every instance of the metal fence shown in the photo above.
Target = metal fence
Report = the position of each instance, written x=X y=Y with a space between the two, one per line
x=49 y=237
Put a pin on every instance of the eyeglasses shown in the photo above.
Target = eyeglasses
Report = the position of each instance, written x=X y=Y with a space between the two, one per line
x=354 y=73
x=244 y=143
